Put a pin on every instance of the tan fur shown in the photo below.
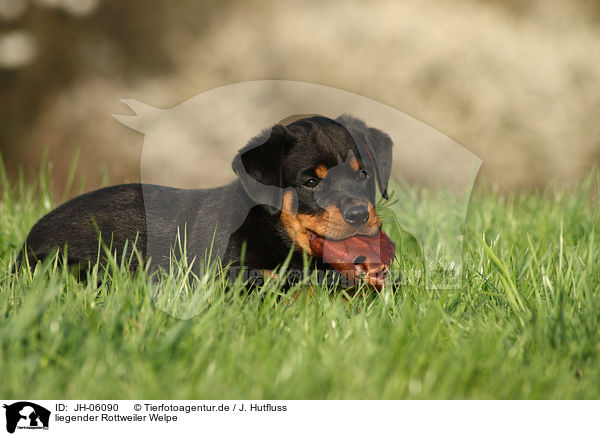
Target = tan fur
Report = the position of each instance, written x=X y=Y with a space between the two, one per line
x=354 y=164
x=292 y=224
x=330 y=224
x=321 y=171
x=374 y=219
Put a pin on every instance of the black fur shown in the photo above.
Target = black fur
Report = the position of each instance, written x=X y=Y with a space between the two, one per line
x=246 y=211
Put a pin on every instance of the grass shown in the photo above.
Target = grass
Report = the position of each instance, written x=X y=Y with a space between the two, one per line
x=523 y=325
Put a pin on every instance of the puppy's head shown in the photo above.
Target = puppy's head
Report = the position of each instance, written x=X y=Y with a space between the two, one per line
x=320 y=175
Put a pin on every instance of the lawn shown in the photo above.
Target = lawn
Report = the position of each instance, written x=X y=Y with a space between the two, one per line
x=524 y=324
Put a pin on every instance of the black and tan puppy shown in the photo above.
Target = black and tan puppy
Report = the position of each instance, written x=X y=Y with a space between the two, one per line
x=298 y=186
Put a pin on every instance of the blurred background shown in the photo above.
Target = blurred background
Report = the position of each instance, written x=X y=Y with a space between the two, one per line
x=517 y=83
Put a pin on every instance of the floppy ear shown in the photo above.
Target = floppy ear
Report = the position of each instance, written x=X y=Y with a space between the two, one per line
x=374 y=145
x=379 y=151
x=259 y=166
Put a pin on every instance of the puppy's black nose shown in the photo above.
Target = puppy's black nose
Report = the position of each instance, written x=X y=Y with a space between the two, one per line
x=356 y=214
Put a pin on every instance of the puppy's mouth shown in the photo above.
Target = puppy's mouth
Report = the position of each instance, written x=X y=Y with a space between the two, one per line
x=358 y=257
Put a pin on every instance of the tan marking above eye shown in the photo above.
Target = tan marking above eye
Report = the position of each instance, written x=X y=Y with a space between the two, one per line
x=355 y=164
x=321 y=171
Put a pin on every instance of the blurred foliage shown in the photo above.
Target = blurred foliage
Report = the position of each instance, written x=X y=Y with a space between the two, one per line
x=517 y=83
x=115 y=40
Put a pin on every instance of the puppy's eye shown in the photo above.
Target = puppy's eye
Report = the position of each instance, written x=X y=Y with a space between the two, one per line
x=363 y=174
x=311 y=183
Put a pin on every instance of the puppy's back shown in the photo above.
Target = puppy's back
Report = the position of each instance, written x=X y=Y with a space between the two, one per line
x=115 y=213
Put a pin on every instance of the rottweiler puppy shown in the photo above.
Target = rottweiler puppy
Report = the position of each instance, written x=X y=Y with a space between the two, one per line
x=298 y=187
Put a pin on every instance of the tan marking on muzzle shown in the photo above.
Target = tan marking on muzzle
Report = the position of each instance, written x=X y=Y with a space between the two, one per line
x=293 y=224
x=330 y=224
x=374 y=219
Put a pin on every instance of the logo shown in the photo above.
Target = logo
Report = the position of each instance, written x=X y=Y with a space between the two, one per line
x=26 y=415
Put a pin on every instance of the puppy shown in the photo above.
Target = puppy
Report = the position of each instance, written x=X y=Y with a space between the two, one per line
x=305 y=188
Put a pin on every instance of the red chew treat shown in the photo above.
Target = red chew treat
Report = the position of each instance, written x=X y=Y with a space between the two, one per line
x=366 y=257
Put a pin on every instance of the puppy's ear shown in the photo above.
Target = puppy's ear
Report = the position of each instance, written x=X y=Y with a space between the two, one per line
x=379 y=151
x=259 y=166
x=374 y=146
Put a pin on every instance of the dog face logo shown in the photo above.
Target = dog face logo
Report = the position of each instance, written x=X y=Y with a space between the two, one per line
x=26 y=415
